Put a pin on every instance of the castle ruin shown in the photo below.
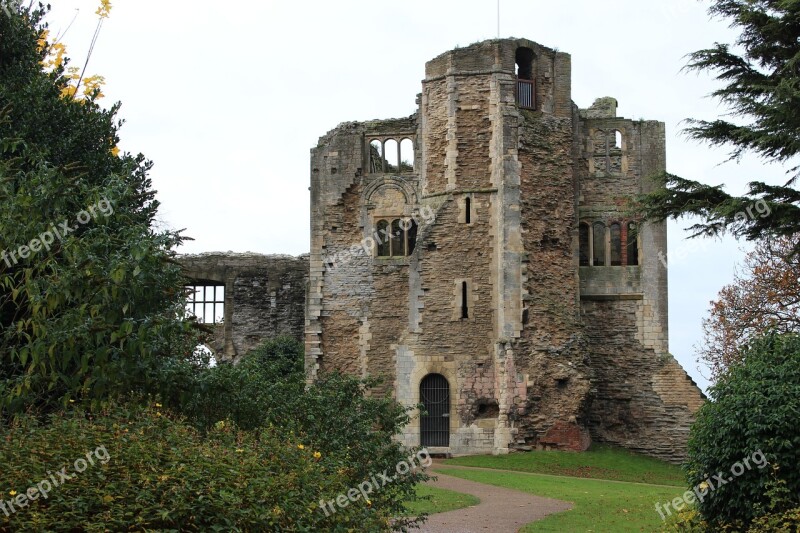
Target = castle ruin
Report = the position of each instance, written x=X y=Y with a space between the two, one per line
x=479 y=255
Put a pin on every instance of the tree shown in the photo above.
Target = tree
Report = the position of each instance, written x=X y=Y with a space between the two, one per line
x=764 y=297
x=761 y=73
x=91 y=299
x=744 y=447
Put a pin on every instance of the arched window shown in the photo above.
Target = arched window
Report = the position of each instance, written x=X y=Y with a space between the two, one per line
x=633 y=244
x=598 y=244
x=406 y=155
x=524 y=61
x=375 y=156
x=616 y=139
x=584 y=248
x=391 y=151
x=616 y=244
x=383 y=239
x=395 y=239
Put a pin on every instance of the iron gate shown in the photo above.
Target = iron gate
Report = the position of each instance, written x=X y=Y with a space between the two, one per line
x=434 y=391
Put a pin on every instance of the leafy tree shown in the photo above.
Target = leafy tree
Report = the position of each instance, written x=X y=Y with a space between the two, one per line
x=753 y=408
x=761 y=76
x=91 y=298
x=764 y=297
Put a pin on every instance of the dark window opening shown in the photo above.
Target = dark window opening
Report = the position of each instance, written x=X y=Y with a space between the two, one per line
x=395 y=239
x=583 y=244
x=598 y=244
x=524 y=60
x=526 y=87
x=383 y=239
x=398 y=238
x=616 y=245
x=464 y=301
x=206 y=302
x=467 y=210
x=633 y=244
x=411 y=237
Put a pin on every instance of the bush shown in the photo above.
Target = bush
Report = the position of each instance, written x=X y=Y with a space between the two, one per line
x=337 y=415
x=753 y=408
x=143 y=469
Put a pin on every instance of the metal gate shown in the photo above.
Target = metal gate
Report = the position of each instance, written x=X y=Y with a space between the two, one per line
x=434 y=391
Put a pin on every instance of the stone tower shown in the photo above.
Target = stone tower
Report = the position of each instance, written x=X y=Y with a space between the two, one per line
x=478 y=255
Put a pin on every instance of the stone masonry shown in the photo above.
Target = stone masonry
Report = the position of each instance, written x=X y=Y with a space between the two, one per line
x=484 y=243
x=264 y=297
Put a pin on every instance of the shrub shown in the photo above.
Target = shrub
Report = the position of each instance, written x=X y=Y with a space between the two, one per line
x=753 y=408
x=152 y=471
x=338 y=415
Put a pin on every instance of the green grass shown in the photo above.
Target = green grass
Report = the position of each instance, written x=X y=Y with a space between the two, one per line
x=441 y=500
x=600 y=462
x=598 y=505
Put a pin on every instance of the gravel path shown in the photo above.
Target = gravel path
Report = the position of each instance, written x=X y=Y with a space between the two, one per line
x=500 y=510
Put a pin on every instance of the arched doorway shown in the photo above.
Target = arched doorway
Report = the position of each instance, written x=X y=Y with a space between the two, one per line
x=434 y=393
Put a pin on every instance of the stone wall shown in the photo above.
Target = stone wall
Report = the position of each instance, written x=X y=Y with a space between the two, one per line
x=549 y=354
x=264 y=297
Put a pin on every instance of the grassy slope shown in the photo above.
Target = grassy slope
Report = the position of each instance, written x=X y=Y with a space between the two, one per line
x=601 y=462
x=599 y=506
x=441 y=500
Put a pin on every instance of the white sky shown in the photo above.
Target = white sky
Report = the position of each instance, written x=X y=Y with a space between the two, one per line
x=227 y=100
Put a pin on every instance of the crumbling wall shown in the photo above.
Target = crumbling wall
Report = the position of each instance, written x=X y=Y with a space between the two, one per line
x=264 y=296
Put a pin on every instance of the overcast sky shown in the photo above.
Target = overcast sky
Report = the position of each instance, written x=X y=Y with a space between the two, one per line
x=228 y=98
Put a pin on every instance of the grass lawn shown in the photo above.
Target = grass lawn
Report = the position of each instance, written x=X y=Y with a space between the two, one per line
x=600 y=462
x=599 y=506
x=441 y=500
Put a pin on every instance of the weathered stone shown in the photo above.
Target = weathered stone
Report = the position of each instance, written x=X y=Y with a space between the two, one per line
x=539 y=352
x=264 y=297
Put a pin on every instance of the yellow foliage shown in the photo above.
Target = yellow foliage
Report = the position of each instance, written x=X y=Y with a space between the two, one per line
x=104 y=9
x=56 y=56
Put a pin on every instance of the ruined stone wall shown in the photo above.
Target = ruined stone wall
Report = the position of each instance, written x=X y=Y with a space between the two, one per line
x=643 y=399
x=551 y=354
x=264 y=297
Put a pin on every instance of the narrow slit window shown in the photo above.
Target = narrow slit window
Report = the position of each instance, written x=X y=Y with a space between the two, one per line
x=468 y=210
x=464 y=300
x=383 y=239
x=616 y=245
x=583 y=240
x=598 y=244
